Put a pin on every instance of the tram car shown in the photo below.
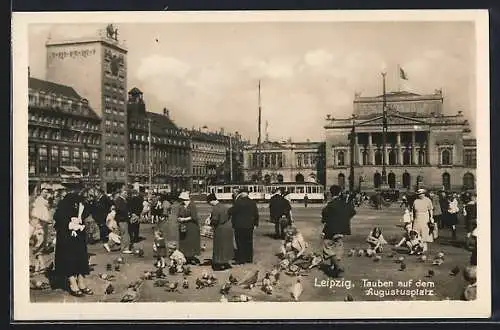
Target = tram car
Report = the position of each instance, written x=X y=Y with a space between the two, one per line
x=297 y=191
x=224 y=192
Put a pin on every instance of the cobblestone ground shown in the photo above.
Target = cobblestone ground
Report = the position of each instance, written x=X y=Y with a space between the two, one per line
x=444 y=285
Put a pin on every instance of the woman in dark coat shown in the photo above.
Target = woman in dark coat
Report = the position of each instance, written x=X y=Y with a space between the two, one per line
x=169 y=226
x=189 y=229
x=71 y=256
x=223 y=249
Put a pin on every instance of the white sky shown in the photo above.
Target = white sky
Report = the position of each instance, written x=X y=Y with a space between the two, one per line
x=207 y=74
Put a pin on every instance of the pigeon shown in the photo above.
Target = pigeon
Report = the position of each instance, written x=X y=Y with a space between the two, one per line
x=109 y=267
x=110 y=289
x=223 y=299
x=266 y=280
x=159 y=273
x=172 y=270
x=370 y=252
x=117 y=267
x=135 y=285
x=139 y=252
x=400 y=259
x=39 y=285
x=243 y=298
x=225 y=288
x=173 y=287
x=455 y=271
x=377 y=258
x=348 y=298
x=158 y=264
x=204 y=275
x=470 y=274
x=119 y=260
x=130 y=295
x=361 y=253
x=422 y=258
x=430 y=273
x=107 y=277
x=351 y=252
x=160 y=283
x=232 y=279
x=470 y=292
x=199 y=284
x=402 y=266
x=185 y=283
x=437 y=262
x=390 y=255
x=440 y=255
x=147 y=275
x=251 y=280
x=296 y=289
x=204 y=247
x=276 y=278
x=267 y=289
x=187 y=270
x=316 y=261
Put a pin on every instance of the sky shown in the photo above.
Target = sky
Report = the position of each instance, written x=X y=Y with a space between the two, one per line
x=208 y=73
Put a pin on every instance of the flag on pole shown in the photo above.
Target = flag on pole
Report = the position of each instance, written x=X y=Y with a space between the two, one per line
x=402 y=74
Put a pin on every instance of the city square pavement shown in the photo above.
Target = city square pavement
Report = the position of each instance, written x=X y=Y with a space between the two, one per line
x=308 y=221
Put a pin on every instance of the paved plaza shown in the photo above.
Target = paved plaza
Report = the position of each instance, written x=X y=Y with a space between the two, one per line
x=358 y=270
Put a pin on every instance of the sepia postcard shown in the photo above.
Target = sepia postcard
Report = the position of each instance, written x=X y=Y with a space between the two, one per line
x=251 y=165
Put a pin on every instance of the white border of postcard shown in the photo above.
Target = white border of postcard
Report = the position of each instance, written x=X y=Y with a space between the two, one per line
x=25 y=310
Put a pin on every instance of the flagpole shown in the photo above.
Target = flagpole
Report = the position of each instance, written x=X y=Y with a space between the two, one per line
x=399 y=78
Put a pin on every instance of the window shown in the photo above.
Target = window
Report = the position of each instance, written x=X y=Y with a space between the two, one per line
x=340 y=158
x=32 y=159
x=65 y=157
x=421 y=157
x=468 y=181
x=378 y=157
x=43 y=159
x=341 y=180
x=76 y=157
x=406 y=157
x=54 y=160
x=446 y=181
x=406 y=180
x=470 y=157
x=446 y=157
x=365 y=157
x=393 y=157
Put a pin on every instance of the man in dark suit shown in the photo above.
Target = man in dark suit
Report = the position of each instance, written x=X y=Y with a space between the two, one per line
x=279 y=208
x=336 y=217
x=135 y=208
x=245 y=218
x=100 y=210
x=122 y=217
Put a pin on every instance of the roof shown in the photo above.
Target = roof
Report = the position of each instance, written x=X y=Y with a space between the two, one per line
x=399 y=93
x=135 y=91
x=160 y=124
x=53 y=88
x=62 y=91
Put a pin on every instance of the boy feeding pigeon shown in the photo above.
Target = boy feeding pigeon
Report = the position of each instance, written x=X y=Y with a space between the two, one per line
x=176 y=257
x=294 y=245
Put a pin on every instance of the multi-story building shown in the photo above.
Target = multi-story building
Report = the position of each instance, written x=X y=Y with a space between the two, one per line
x=97 y=68
x=284 y=162
x=424 y=147
x=170 y=147
x=64 y=135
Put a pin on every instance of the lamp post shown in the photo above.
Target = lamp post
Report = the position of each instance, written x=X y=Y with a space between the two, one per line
x=150 y=181
x=384 y=131
x=352 y=142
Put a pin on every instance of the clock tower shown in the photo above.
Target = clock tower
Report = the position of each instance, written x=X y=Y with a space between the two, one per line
x=96 y=66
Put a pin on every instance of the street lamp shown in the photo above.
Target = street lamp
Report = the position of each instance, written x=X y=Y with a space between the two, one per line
x=384 y=131
x=352 y=141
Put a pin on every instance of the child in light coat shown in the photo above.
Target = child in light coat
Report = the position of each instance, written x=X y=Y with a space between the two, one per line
x=376 y=241
x=114 y=231
x=412 y=241
x=176 y=257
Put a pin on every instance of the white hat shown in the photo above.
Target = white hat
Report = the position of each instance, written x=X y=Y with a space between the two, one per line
x=184 y=195
x=420 y=191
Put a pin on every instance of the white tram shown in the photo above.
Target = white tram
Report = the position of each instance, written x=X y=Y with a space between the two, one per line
x=224 y=192
x=296 y=191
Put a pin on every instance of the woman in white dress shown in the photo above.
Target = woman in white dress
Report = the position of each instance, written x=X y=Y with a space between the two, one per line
x=423 y=220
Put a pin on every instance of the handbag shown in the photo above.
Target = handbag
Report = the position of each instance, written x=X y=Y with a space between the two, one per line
x=182 y=228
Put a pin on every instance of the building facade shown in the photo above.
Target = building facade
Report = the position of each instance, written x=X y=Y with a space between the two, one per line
x=97 y=68
x=284 y=162
x=170 y=147
x=64 y=136
x=424 y=147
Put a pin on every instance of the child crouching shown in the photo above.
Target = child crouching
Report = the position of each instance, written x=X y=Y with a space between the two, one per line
x=412 y=241
x=176 y=257
x=376 y=241
x=294 y=246
x=333 y=251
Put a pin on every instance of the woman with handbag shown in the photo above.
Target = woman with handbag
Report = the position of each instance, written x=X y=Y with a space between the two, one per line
x=189 y=229
x=423 y=218
x=223 y=249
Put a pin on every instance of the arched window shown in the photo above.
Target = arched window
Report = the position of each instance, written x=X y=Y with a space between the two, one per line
x=267 y=179
x=365 y=158
x=255 y=178
x=279 y=178
x=406 y=180
x=468 y=181
x=378 y=157
x=407 y=157
x=299 y=178
x=392 y=157
x=446 y=157
x=391 y=180
x=446 y=181
x=377 y=180
x=421 y=157
x=341 y=180
x=340 y=158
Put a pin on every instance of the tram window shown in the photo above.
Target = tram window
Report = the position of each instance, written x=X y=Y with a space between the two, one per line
x=260 y=189
x=227 y=189
x=291 y=190
x=300 y=190
x=220 y=190
x=309 y=189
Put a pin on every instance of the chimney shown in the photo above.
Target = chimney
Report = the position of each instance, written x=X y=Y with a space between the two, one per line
x=166 y=113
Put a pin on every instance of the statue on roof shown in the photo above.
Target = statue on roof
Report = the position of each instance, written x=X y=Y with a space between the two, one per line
x=111 y=32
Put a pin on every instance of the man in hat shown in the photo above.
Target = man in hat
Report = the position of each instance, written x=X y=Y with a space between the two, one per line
x=336 y=217
x=279 y=213
x=245 y=218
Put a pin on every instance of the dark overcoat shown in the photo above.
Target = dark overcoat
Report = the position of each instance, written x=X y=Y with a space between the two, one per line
x=223 y=249
x=336 y=216
x=190 y=241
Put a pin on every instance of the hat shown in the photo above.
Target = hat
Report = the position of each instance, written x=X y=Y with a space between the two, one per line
x=335 y=190
x=291 y=230
x=211 y=197
x=420 y=191
x=184 y=196
x=172 y=245
x=337 y=236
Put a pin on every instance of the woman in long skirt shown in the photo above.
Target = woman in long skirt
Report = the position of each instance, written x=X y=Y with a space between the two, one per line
x=71 y=256
x=189 y=229
x=423 y=217
x=223 y=249
x=169 y=226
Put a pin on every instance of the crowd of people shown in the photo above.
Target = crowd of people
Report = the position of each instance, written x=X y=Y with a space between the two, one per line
x=80 y=216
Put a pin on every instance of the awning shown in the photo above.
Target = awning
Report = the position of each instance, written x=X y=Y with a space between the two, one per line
x=71 y=169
